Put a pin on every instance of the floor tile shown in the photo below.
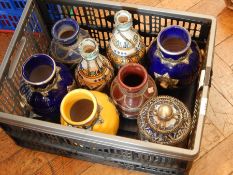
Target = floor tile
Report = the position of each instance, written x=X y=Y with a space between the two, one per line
x=224 y=25
x=220 y=68
x=210 y=138
x=5 y=38
x=151 y=3
x=64 y=166
x=208 y=7
x=218 y=161
x=225 y=50
x=26 y=162
x=97 y=168
x=7 y=147
x=224 y=122
x=225 y=86
x=177 y=4
x=222 y=32
x=218 y=103
x=226 y=18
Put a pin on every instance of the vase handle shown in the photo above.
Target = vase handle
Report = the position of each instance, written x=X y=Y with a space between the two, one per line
x=18 y=54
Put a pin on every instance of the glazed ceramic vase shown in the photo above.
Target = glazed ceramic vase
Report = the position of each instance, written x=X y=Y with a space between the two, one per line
x=67 y=35
x=164 y=120
x=125 y=45
x=91 y=110
x=43 y=86
x=131 y=89
x=95 y=72
x=174 y=59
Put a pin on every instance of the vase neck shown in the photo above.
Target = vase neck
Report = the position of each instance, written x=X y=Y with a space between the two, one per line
x=132 y=77
x=123 y=20
x=170 y=56
x=79 y=108
x=174 y=42
x=89 y=49
x=65 y=31
x=39 y=70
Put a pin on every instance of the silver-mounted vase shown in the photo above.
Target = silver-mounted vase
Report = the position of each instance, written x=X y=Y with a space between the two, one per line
x=95 y=72
x=125 y=45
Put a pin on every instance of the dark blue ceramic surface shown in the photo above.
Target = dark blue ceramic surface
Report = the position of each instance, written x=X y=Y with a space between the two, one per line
x=46 y=105
x=159 y=63
x=60 y=25
x=33 y=62
x=65 y=50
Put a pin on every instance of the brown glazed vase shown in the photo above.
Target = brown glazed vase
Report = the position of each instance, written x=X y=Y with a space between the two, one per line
x=131 y=89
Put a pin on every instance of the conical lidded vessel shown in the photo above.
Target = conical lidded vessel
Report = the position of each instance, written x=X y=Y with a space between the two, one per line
x=125 y=45
x=66 y=38
x=95 y=72
x=164 y=120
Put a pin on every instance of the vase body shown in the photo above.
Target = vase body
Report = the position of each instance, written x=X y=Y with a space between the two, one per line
x=44 y=84
x=164 y=120
x=67 y=35
x=125 y=45
x=98 y=115
x=174 y=59
x=131 y=89
x=95 y=72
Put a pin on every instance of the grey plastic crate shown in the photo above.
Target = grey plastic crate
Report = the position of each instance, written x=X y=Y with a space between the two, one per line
x=33 y=36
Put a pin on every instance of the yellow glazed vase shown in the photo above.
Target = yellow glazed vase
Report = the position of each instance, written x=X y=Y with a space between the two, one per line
x=103 y=118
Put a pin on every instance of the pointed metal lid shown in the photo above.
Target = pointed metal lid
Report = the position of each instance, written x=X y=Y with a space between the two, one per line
x=164 y=120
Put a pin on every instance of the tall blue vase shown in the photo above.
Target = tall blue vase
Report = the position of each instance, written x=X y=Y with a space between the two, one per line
x=174 y=59
x=44 y=84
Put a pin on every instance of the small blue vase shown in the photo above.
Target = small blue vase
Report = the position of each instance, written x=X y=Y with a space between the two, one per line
x=67 y=35
x=174 y=59
x=44 y=84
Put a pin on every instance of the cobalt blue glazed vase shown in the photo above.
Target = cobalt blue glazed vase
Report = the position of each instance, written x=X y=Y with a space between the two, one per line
x=174 y=59
x=44 y=84
x=67 y=35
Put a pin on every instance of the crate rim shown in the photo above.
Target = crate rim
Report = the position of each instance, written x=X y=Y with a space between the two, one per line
x=150 y=148
x=73 y=133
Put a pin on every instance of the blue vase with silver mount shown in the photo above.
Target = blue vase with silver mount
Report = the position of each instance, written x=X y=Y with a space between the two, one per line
x=66 y=38
x=44 y=84
x=174 y=59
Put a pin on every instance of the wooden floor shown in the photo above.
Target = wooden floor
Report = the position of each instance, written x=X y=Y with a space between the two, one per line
x=216 y=156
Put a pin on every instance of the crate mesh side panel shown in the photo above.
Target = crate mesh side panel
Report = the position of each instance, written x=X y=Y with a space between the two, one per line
x=9 y=20
x=10 y=12
x=36 y=42
x=12 y=5
x=6 y=5
x=19 y=4
x=95 y=152
x=99 y=21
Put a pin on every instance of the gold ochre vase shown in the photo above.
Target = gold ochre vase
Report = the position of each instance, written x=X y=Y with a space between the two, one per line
x=91 y=110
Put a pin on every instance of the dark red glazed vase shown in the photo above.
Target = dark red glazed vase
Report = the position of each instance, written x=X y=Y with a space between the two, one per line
x=131 y=89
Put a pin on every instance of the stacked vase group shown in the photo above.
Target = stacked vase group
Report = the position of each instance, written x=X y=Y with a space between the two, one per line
x=77 y=86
